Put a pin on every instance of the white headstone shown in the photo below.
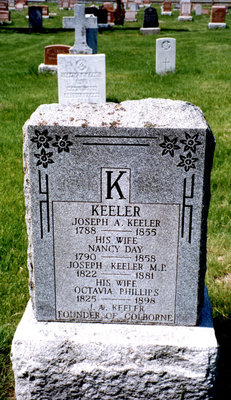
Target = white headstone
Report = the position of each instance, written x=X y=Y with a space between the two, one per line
x=165 y=55
x=81 y=78
x=198 y=9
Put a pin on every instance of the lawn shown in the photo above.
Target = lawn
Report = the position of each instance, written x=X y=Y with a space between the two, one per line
x=202 y=77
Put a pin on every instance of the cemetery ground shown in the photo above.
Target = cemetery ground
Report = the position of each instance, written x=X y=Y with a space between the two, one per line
x=202 y=77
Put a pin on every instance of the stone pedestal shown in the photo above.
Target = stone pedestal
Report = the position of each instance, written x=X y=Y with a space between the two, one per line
x=53 y=360
x=185 y=18
x=165 y=12
x=149 y=31
x=43 y=68
x=214 y=25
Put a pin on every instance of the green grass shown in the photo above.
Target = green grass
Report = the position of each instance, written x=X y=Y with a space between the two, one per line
x=202 y=77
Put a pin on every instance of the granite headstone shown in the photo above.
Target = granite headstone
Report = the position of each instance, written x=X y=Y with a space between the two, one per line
x=166 y=8
x=50 y=57
x=117 y=199
x=150 y=18
x=35 y=18
x=217 y=18
x=150 y=22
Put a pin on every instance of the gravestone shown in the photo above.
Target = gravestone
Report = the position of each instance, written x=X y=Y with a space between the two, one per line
x=165 y=55
x=102 y=16
x=166 y=8
x=92 y=32
x=45 y=11
x=80 y=45
x=91 y=27
x=137 y=232
x=50 y=57
x=198 y=9
x=217 y=18
x=35 y=18
x=4 y=6
x=113 y=241
x=150 y=22
x=72 y=3
x=19 y=5
x=110 y=12
x=11 y=4
x=81 y=75
x=185 y=11
x=5 y=17
x=65 y=5
x=130 y=16
x=92 y=10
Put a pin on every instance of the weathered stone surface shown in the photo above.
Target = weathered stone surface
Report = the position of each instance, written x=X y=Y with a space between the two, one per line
x=117 y=199
x=100 y=361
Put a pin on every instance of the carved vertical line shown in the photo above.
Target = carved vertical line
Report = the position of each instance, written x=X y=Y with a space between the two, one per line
x=46 y=202
x=190 y=206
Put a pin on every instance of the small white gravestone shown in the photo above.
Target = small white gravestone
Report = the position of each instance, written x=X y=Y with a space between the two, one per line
x=198 y=9
x=165 y=55
x=81 y=75
x=81 y=78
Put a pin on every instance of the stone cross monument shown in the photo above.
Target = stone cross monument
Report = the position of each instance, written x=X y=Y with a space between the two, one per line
x=80 y=46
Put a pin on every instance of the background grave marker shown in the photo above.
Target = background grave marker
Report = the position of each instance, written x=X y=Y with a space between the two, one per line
x=165 y=55
x=217 y=18
x=50 y=57
x=150 y=22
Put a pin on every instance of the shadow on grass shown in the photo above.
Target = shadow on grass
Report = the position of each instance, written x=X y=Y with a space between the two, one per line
x=223 y=334
x=28 y=30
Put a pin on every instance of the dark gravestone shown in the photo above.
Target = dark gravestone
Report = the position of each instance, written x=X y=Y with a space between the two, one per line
x=102 y=16
x=92 y=10
x=91 y=38
x=150 y=18
x=91 y=32
x=35 y=18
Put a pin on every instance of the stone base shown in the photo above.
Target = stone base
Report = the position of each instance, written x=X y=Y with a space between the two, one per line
x=43 y=16
x=43 y=68
x=54 y=360
x=214 y=25
x=165 y=12
x=106 y=26
x=184 y=18
x=149 y=31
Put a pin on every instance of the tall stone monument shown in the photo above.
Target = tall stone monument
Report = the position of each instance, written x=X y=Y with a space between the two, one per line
x=117 y=199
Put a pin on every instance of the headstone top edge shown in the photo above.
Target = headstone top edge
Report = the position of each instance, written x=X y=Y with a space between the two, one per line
x=165 y=38
x=82 y=55
x=145 y=113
